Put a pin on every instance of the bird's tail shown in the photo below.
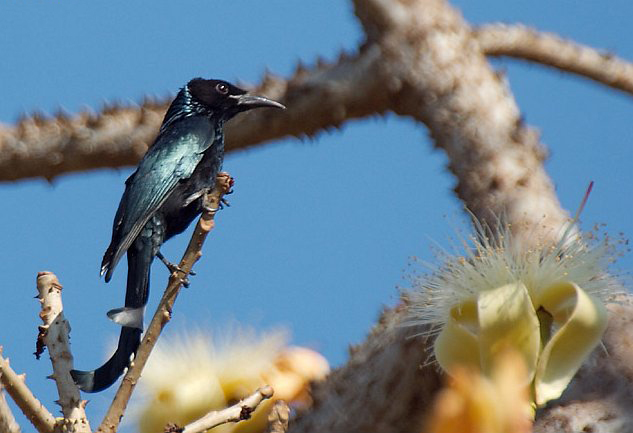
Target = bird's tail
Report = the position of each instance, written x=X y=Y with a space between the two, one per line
x=139 y=257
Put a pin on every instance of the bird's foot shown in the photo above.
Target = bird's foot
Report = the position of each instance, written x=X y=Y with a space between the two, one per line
x=174 y=268
x=208 y=207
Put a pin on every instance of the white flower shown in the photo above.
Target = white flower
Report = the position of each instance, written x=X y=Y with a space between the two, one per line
x=188 y=376
x=545 y=303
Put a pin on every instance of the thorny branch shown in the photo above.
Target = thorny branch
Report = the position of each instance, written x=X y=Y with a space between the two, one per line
x=32 y=408
x=318 y=98
x=549 y=49
x=162 y=316
x=54 y=335
x=7 y=420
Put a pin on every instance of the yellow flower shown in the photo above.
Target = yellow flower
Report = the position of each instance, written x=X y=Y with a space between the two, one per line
x=473 y=403
x=186 y=377
x=544 y=303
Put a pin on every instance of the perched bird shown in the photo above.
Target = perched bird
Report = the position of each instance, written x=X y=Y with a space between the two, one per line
x=162 y=197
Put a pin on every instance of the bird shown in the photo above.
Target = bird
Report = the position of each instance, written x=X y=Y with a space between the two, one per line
x=161 y=199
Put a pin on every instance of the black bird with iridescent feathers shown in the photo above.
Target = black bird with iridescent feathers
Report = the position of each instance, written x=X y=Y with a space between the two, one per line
x=162 y=197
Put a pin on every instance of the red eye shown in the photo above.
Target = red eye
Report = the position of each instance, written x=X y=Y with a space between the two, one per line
x=222 y=88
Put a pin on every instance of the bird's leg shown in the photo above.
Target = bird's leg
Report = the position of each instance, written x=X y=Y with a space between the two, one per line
x=173 y=268
x=207 y=206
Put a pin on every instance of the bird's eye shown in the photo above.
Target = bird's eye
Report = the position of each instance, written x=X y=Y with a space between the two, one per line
x=222 y=88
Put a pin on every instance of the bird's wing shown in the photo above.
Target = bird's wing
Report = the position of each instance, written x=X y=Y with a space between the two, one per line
x=173 y=157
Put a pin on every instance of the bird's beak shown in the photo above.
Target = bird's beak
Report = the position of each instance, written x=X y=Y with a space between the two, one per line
x=246 y=102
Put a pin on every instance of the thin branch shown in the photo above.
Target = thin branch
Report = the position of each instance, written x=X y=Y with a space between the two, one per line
x=525 y=43
x=32 y=408
x=162 y=316
x=238 y=412
x=318 y=99
x=8 y=423
x=54 y=334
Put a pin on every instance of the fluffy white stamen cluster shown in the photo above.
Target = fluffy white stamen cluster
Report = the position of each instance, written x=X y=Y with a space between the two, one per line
x=240 y=357
x=489 y=262
x=190 y=375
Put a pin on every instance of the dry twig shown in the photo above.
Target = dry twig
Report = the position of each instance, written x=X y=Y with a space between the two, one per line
x=7 y=420
x=32 y=408
x=238 y=412
x=162 y=316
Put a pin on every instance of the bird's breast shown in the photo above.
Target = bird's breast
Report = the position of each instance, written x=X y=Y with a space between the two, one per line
x=179 y=210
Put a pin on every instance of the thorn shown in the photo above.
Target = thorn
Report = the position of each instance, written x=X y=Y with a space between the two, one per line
x=268 y=79
x=110 y=108
x=21 y=126
x=51 y=376
x=343 y=56
x=92 y=120
x=321 y=63
x=142 y=114
x=147 y=100
x=38 y=118
x=62 y=117
x=300 y=70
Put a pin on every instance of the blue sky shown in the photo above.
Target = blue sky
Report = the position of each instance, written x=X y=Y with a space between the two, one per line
x=320 y=233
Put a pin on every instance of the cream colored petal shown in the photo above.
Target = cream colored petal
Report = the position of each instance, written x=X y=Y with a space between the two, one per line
x=457 y=345
x=507 y=320
x=581 y=321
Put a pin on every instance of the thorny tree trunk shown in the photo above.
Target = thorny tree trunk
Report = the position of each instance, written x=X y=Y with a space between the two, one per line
x=423 y=61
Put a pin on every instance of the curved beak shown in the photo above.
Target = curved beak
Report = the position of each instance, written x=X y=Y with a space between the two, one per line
x=246 y=102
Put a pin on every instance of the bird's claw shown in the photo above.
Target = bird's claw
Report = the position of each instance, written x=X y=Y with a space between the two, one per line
x=174 y=268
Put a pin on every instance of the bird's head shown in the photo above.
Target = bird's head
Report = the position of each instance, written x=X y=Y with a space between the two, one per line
x=224 y=98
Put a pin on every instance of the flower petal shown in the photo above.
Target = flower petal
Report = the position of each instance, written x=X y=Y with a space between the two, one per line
x=507 y=320
x=457 y=344
x=581 y=321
